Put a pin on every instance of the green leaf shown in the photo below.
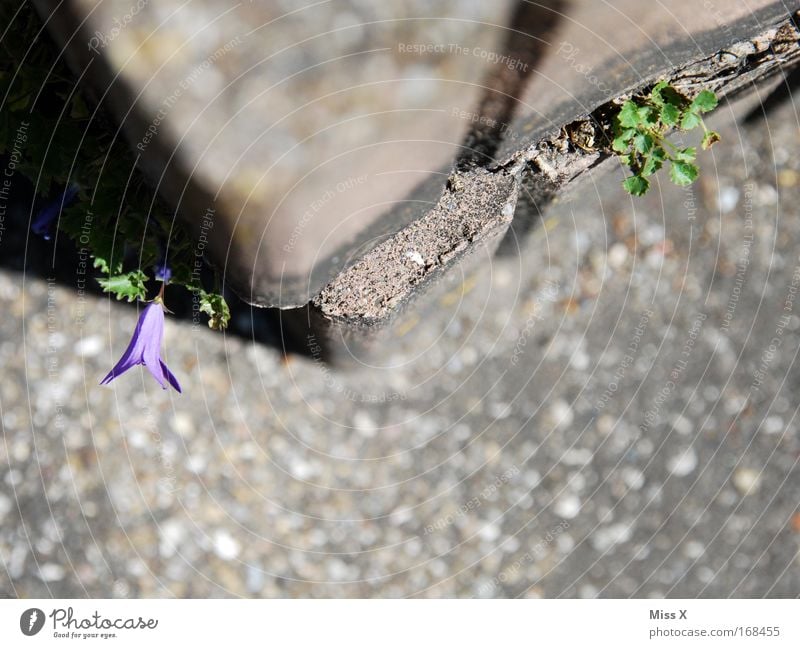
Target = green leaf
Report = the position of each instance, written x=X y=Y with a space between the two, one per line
x=648 y=116
x=629 y=115
x=215 y=306
x=704 y=102
x=636 y=185
x=686 y=155
x=654 y=161
x=670 y=114
x=622 y=142
x=101 y=264
x=643 y=142
x=690 y=120
x=129 y=285
x=683 y=173
x=709 y=139
x=655 y=93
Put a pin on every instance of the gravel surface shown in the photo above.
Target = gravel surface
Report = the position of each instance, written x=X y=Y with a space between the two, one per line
x=612 y=413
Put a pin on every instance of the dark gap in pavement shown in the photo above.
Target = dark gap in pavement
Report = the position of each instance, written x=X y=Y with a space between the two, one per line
x=29 y=254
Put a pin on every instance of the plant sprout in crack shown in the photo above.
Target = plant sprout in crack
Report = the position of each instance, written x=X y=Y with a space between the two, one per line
x=640 y=135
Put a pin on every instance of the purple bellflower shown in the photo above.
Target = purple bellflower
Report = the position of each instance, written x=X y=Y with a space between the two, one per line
x=43 y=223
x=145 y=348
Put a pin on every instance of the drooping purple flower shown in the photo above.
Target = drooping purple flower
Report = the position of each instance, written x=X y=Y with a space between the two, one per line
x=43 y=223
x=145 y=348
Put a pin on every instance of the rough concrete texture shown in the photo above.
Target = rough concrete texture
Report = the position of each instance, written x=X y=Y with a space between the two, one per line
x=557 y=148
x=612 y=413
x=301 y=122
x=476 y=206
x=310 y=125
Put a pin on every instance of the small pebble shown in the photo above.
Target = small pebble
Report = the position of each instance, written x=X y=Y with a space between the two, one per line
x=728 y=199
x=694 y=549
x=50 y=572
x=706 y=574
x=767 y=194
x=772 y=425
x=683 y=464
x=225 y=546
x=89 y=346
x=606 y=537
x=499 y=410
x=633 y=478
x=682 y=425
x=489 y=532
x=364 y=424
x=580 y=360
x=561 y=413
x=605 y=424
x=746 y=480
x=416 y=257
x=617 y=255
x=577 y=457
x=568 y=506
x=182 y=424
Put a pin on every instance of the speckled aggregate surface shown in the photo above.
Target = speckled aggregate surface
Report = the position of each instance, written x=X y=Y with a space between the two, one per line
x=601 y=416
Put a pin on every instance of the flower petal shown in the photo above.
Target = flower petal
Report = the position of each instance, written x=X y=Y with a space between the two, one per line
x=172 y=379
x=43 y=223
x=162 y=270
x=157 y=373
x=144 y=345
x=152 y=334
x=151 y=326
x=131 y=357
x=120 y=368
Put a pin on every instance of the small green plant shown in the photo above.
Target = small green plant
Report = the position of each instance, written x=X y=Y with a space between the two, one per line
x=640 y=135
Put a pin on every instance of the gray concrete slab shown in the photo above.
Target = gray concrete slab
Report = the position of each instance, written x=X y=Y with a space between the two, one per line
x=301 y=123
x=600 y=416
x=317 y=130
